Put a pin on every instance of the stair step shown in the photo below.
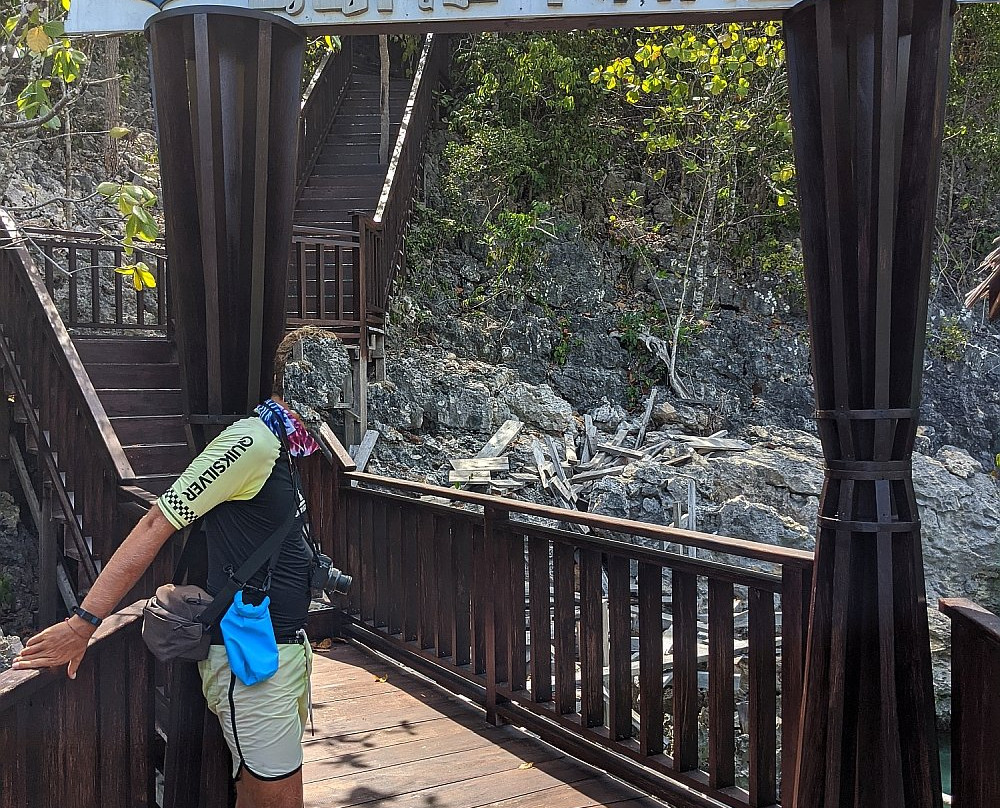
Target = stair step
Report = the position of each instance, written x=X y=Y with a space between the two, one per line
x=133 y=430
x=140 y=374
x=373 y=172
x=162 y=458
x=115 y=349
x=139 y=401
x=360 y=153
x=346 y=204
x=155 y=483
x=353 y=128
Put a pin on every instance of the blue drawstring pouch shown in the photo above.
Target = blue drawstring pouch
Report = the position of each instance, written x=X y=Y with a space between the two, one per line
x=249 y=638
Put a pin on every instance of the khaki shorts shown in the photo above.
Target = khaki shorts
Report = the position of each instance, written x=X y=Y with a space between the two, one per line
x=263 y=723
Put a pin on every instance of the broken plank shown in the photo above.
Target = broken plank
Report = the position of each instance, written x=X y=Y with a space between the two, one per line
x=480 y=463
x=436 y=500
x=564 y=491
x=569 y=440
x=713 y=444
x=597 y=474
x=554 y=457
x=543 y=475
x=496 y=445
x=620 y=451
x=645 y=417
x=589 y=439
x=507 y=485
x=364 y=452
x=469 y=477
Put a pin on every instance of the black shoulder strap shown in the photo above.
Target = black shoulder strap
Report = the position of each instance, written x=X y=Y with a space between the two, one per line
x=270 y=549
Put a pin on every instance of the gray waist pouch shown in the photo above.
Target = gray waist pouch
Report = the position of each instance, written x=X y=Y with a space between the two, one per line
x=171 y=627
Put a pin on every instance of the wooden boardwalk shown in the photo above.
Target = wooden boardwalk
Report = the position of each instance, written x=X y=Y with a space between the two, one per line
x=385 y=737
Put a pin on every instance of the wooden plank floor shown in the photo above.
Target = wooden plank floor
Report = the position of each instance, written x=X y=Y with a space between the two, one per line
x=387 y=738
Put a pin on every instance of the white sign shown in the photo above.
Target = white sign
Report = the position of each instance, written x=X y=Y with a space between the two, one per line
x=106 y=16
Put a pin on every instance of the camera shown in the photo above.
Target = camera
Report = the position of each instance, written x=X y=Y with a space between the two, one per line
x=327 y=577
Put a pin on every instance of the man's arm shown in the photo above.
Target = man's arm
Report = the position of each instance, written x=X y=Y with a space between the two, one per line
x=67 y=642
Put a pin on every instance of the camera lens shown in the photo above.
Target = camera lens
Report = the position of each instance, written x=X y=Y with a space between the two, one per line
x=338 y=582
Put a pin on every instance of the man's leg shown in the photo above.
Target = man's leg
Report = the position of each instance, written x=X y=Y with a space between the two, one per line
x=254 y=793
x=262 y=725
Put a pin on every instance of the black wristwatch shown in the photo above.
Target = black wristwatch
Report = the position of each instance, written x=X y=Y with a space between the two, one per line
x=83 y=614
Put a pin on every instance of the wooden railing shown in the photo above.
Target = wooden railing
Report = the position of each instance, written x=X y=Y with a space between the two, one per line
x=96 y=296
x=82 y=459
x=320 y=104
x=86 y=742
x=975 y=705
x=514 y=614
x=444 y=589
x=382 y=234
x=323 y=281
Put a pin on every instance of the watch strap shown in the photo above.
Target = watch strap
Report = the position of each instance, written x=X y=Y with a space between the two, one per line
x=83 y=614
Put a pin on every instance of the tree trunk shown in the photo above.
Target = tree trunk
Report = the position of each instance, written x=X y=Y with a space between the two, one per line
x=112 y=109
x=383 y=50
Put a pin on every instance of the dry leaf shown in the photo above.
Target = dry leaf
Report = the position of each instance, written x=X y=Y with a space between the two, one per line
x=528 y=765
x=322 y=645
x=37 y=40
x=381 y=678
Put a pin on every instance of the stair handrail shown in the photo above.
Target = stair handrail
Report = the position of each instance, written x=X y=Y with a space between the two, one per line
x=396 y=198
x=323 y=97
x=65 y=350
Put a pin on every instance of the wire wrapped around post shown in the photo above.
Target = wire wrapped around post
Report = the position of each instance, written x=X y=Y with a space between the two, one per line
x=868 y=81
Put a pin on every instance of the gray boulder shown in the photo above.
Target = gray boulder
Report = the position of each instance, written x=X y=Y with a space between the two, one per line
x=540 y=407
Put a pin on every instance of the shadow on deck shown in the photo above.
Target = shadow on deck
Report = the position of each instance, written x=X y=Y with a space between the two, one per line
x=387 y=737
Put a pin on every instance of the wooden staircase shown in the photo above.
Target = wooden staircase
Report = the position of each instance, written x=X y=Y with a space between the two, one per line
x=138 y=381
x=347 y=177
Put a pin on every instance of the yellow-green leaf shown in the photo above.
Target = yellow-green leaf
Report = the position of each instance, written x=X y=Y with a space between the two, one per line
x=118 y=132
x=147 y=278
x=37 y=40
x=528 y=765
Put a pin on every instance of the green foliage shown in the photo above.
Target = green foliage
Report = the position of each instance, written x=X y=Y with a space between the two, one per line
x=948 y=340
x=567 y=342
x=517 y=240
x=134 y=203
x=715 y=113
x=41 y=64
x=526 y=121
x=316 y=49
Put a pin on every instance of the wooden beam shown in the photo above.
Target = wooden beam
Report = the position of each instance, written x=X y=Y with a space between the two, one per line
x=504 y=436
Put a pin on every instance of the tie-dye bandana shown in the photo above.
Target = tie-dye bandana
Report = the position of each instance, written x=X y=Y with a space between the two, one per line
x=278 y=420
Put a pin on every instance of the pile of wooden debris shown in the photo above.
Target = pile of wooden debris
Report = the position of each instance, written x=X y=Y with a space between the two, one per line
x=566 y=470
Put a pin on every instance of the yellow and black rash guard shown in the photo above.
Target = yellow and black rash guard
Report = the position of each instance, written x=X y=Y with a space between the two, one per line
x=241 y=488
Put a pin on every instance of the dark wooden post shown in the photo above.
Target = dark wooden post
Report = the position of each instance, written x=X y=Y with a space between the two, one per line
x=5 y=433
x=226 y=90
x=868 y=81
x=47 y=555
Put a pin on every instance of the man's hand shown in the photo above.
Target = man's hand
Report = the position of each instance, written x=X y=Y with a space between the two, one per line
x=58 y=645
x=66 y=643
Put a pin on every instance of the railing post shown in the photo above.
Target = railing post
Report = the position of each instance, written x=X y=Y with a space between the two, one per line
x=490 y=517
x=46 y=561
x=975 y=705
x=796 y=583
x=5 y=421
